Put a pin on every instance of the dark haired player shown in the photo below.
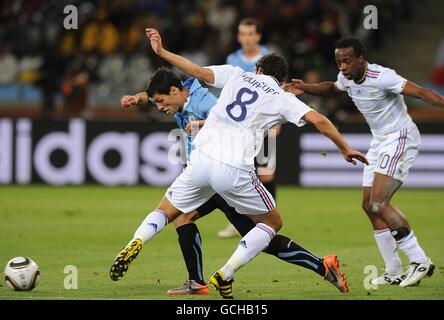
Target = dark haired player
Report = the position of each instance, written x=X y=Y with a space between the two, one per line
x=378 y=94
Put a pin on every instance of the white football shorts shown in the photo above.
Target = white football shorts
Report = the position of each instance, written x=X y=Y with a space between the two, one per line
x=204 y=177
x=392 y=155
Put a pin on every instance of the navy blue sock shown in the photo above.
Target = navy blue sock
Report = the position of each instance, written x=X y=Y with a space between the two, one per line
x=285 y=249
x=191 y=247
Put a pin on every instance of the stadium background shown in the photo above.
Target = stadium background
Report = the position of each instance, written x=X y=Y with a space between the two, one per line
x=50 y=74
x=61 y=122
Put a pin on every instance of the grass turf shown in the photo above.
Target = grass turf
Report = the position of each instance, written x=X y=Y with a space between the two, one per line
x=87 y=226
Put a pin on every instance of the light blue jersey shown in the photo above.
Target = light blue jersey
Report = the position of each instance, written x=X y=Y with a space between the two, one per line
x=238 y=59
x=198 y=105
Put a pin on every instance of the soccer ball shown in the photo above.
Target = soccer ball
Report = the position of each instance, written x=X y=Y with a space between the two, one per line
x=22 y=274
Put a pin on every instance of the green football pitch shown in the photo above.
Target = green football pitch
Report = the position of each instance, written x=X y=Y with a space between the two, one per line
x=85 y=227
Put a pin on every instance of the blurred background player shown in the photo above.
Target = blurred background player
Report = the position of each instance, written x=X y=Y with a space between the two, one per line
x=378 y=94
x=249 y=36
x=183 y=101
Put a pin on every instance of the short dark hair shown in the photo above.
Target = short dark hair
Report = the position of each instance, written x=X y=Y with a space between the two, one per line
x=352 y=42
x=161 y=82
x=252 y=22
x=273 y=65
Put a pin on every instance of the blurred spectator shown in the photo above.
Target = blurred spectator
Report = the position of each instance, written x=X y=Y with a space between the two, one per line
x=108 y=54
x=75 y=87
x=29 y=67
x=100 y=35
x=8 y=66
x=51 y=73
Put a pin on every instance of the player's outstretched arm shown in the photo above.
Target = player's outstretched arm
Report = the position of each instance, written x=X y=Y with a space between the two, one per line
x=180 y=62
x=329 y=130
x=428 y=95
x=322 y=89
x=129 y=101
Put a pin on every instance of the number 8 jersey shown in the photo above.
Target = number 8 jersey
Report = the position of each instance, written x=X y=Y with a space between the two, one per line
x=249 y=105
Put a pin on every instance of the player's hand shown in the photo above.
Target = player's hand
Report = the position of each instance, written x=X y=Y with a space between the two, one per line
x=128 y=101
x=296 y=86
x=353 y=154
x=155 y=39
x=192 y=127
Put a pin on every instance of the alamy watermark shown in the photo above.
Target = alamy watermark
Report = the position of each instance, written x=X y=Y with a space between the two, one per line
x=372 y=273
x=71 y=20
x=71 y=281
x=371 y=19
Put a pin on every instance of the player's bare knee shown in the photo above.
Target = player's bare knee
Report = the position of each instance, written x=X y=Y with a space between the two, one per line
x=279 y=227
x=277 y=223
x=366 y=207
x=274 y=222
x=181 y=220
x=377 y=206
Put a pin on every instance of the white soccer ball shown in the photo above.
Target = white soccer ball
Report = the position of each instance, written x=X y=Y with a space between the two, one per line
x=22 y=274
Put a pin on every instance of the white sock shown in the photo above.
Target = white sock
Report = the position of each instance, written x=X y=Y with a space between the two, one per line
x=410 y=246
x=256 y=240
x=152 y=225
x=387 y=247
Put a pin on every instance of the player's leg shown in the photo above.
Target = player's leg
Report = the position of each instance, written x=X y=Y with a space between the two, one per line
x=282 y=247
x=256 y=240
x=181 y=196
x=190 y=242
x=386 y=244
x=153 y=223
x=383 y=190
x=257 y=200
x=397 y=153
x=328 y=267
x=377 y=157
x=243 y=191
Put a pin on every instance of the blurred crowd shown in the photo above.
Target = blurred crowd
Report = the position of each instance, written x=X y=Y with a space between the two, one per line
x=108 y=55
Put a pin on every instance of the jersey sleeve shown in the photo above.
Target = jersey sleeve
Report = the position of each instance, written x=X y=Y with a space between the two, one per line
x=390 y=81
x=223 y=73
x=293 y=110
x=340 y=82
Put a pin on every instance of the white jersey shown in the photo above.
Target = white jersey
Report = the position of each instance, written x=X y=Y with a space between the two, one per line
x=249 y=105
x=379 y=99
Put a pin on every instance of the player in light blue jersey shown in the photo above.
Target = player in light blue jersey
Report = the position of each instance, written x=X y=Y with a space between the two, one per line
x=249 y=37
x=378 y=93
x=190 y=99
